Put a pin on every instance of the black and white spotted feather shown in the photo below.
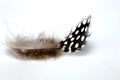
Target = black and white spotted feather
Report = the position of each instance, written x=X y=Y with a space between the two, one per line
x=77 y=38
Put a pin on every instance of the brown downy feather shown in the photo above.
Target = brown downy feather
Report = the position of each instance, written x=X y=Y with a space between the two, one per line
x=39 y=48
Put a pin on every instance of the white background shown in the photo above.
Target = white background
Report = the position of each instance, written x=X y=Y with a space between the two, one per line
x=100 y=60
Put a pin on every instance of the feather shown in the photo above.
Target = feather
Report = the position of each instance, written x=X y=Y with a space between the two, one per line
x=43 y=47
x=39 y=48
x=77 y=38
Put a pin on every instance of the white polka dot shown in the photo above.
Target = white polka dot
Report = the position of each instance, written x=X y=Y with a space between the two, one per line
x=82 y=38
x=82 y=46
x=71 y=45
x=70 y=36
x=86 y=29
x=84 y=21
x=77 y=32
x=76 y=45
x=72 y=39
x=79 y=25
x=78 y=37
x=63 y=48
x=88 y=21
x=82 y=29
x=65 y=42
x=73 y=29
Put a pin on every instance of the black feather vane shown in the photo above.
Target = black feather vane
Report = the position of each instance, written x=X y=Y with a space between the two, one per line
x=77 y=38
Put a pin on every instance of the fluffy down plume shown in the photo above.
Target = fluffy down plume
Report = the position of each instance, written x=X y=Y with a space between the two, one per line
x=39 y=48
